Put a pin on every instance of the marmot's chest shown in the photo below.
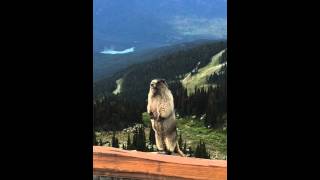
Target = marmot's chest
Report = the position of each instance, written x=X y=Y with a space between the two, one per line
x=155 y=105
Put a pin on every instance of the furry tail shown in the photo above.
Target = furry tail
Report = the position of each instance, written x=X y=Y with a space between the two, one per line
x=177 y=149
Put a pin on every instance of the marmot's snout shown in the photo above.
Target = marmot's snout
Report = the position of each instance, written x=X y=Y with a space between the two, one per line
x=153 y=87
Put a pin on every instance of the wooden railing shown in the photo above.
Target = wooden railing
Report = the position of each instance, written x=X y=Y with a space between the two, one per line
x=113 y=162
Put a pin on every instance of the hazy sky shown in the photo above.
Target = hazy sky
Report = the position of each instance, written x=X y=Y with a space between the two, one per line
x=139 y=23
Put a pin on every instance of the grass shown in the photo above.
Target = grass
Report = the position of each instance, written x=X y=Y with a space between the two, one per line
x=191 y=129
x=199 y=79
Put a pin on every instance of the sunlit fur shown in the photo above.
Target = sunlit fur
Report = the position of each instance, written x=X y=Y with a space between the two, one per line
x=161 y=110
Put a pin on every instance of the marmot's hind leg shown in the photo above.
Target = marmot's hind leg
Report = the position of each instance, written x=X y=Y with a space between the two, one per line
x=171 y=141
x=159 y=142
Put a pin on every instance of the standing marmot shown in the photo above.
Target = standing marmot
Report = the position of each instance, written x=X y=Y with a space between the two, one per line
x=161 y=110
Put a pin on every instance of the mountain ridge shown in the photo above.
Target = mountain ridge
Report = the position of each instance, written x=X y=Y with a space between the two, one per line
x=106 y=65
x=170 y=66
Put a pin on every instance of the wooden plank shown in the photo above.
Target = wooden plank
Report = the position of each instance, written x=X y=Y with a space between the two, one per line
x=108 y=161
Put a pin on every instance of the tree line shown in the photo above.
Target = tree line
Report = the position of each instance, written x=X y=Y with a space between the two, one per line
x=209 y=104
x=115 y=112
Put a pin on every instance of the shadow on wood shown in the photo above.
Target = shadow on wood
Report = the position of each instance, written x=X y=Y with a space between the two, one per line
x=108 y=161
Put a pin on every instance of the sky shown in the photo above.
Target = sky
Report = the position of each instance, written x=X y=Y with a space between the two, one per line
x=123 y=24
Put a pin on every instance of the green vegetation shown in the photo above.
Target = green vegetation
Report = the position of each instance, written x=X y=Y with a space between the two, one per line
x=113 y=113
x=146 y=119
x=199 y=79
x=192 y=130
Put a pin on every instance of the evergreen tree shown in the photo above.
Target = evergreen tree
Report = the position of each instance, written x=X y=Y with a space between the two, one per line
x=184 y=147
x=201 y=151
x=134 y=140
x=152 y=137
x=190 y=151
x=197 y=152
x=114 y=141
x=139 y=139
x=129 y=142
x=180 y=141
x=142 y=138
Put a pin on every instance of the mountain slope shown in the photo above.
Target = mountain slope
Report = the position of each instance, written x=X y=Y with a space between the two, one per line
x=171 y=62
x=171 y=67
x=106 y=65
x=199 y=79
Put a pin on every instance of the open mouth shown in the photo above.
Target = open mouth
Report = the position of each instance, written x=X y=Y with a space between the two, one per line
x=154 y=89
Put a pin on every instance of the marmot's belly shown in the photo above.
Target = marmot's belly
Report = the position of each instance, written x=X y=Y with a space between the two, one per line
x=158 y=126
x=164 y=126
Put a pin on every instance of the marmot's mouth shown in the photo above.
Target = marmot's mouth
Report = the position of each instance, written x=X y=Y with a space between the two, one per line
x=154 y=89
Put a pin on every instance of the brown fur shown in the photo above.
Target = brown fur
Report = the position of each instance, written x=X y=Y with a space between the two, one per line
x=161 y=109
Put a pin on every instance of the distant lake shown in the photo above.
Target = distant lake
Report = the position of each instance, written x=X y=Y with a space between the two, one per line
x=111 y=51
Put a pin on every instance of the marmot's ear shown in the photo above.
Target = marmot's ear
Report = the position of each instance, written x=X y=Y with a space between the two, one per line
x=164 y=82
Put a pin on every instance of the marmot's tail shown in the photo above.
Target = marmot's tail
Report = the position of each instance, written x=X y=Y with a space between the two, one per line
x=179 y=151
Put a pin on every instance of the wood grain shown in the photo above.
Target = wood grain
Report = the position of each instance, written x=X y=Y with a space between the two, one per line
x=108 y=161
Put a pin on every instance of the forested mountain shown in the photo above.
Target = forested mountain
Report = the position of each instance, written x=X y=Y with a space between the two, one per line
x=126 y=108
x=171 y=63
x=106 y=65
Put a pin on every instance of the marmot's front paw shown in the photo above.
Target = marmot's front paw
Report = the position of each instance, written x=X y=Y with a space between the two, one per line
x=154 y=115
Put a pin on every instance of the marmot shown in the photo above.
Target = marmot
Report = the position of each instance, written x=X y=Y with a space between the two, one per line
x=161 y=110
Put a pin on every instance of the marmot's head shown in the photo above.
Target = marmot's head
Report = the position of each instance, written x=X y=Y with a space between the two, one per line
x=158 y=86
